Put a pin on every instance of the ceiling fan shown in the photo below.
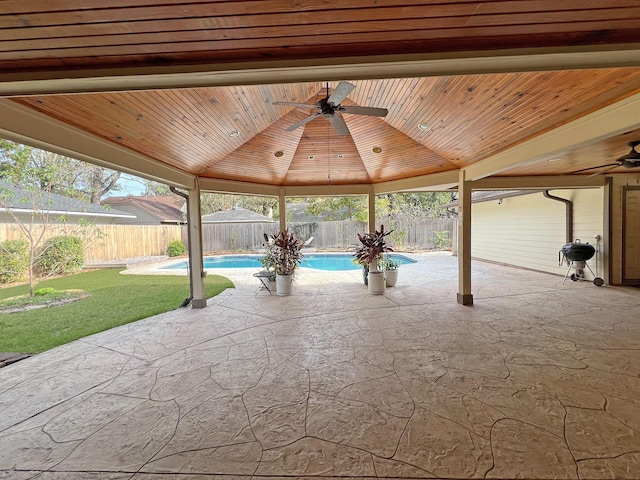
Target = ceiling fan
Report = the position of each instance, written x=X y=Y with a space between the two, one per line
x=630 y=160
x=330 y=107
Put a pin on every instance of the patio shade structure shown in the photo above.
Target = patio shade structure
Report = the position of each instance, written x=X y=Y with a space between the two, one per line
x=480 y=95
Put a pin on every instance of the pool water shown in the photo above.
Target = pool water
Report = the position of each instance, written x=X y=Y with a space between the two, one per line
x=318 y=261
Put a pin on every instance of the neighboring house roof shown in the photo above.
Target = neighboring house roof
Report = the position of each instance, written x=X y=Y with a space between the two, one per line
x=20 y=200
x=488 y=195
x=236 y=215
x=166 y=208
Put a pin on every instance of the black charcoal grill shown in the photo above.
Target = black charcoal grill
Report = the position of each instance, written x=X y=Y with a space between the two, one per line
x=576 y=255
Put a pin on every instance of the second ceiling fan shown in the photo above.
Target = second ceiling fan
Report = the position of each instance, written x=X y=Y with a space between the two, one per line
x=629 y=160
x=330 y=107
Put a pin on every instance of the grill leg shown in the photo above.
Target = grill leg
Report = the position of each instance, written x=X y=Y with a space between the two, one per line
x=568 y=270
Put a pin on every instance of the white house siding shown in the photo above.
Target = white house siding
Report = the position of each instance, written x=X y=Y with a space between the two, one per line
x=529 y=230
x=142 y=217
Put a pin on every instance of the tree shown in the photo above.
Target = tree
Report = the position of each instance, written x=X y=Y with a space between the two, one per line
x=215 y=202
x=337 y=208
x=30 y=209
x=155 y=189
x=51 y=172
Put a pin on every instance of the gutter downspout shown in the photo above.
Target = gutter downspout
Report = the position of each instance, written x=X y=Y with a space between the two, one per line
x=568 y=214
x=187 y=300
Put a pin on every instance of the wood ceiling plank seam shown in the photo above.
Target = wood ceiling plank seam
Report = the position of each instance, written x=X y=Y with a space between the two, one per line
x=52 y=62
x=480 y=121
x=28 y=11
x=433 y=108
x=203 y=141
x=370 y=39
x=415 y=99
x=461 y=88
x=577 y=104
x=31 y=6
x=258 y=113
x=217 y=140
x=253 y=14
x=259 y=34
x=105 y=134
x=184 y=146
x=584 y=108
x=69 y=107
x=164 y=109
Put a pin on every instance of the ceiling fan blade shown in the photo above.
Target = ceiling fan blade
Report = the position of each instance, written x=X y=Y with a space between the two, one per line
x=302 y=122
x=338 y=123
x=612 y=165
x=296 y=104
x=371 y=111
x=340 y=93
x=632 y=155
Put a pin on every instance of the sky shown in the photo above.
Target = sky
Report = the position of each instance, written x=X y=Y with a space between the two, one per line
x=130 y=185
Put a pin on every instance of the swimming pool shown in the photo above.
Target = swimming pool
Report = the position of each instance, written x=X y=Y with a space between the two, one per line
x=317 y=261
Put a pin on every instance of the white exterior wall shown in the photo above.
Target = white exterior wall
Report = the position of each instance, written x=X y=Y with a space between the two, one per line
x=529 y=230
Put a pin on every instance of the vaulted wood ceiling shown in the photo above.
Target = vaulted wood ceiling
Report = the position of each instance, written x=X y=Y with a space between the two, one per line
x=190 y=85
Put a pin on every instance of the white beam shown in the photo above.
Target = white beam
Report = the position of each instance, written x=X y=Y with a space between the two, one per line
x=230 y=186
x=326 y=190
x=436 y=181
x=29 y=127
x=354 y=68
x=464 y=297
x=371 y=200
x=614 y=119
x=196 y=267
x=540 y=182
x=282 y=209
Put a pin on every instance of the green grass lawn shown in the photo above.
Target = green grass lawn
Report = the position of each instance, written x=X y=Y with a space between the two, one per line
x=114 y=300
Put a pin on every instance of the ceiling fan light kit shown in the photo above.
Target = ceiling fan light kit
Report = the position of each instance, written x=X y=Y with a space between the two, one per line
x=331 y=108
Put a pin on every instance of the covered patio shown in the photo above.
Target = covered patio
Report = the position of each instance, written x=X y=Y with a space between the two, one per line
x=538 y=380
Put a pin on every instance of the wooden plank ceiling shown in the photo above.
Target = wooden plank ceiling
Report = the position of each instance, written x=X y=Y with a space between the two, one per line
x=50 y=34
x=236 y=133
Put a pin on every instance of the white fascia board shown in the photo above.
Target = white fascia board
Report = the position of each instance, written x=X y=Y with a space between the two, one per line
x=24 y=125
x=248 y=188
x=212 y=185
x=442 y=181
x=540 y=183
x=65 y=213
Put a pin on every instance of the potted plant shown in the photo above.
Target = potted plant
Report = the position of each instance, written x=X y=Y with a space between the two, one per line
x=287 y=256
x=369 y=252
x=390 y=268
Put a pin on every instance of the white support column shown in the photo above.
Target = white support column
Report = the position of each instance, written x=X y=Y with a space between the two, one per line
x=282 y=209
x=371 y=198
x=464 y=241
x=196 y=268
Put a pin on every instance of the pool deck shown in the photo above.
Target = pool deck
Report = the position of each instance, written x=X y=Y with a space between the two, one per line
x=537 y=380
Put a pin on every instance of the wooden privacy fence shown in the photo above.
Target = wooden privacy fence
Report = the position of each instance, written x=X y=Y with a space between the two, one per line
x=127 y=241
x=409 y=233
x=117 y=242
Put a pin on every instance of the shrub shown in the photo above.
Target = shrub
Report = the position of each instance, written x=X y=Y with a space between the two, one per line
x=441 y=240
x=44 y=291
x=61 y=255
x=14 y=260
x=176 y=248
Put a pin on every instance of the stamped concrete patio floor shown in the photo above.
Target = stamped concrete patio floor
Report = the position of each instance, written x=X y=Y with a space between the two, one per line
x=536 y=380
